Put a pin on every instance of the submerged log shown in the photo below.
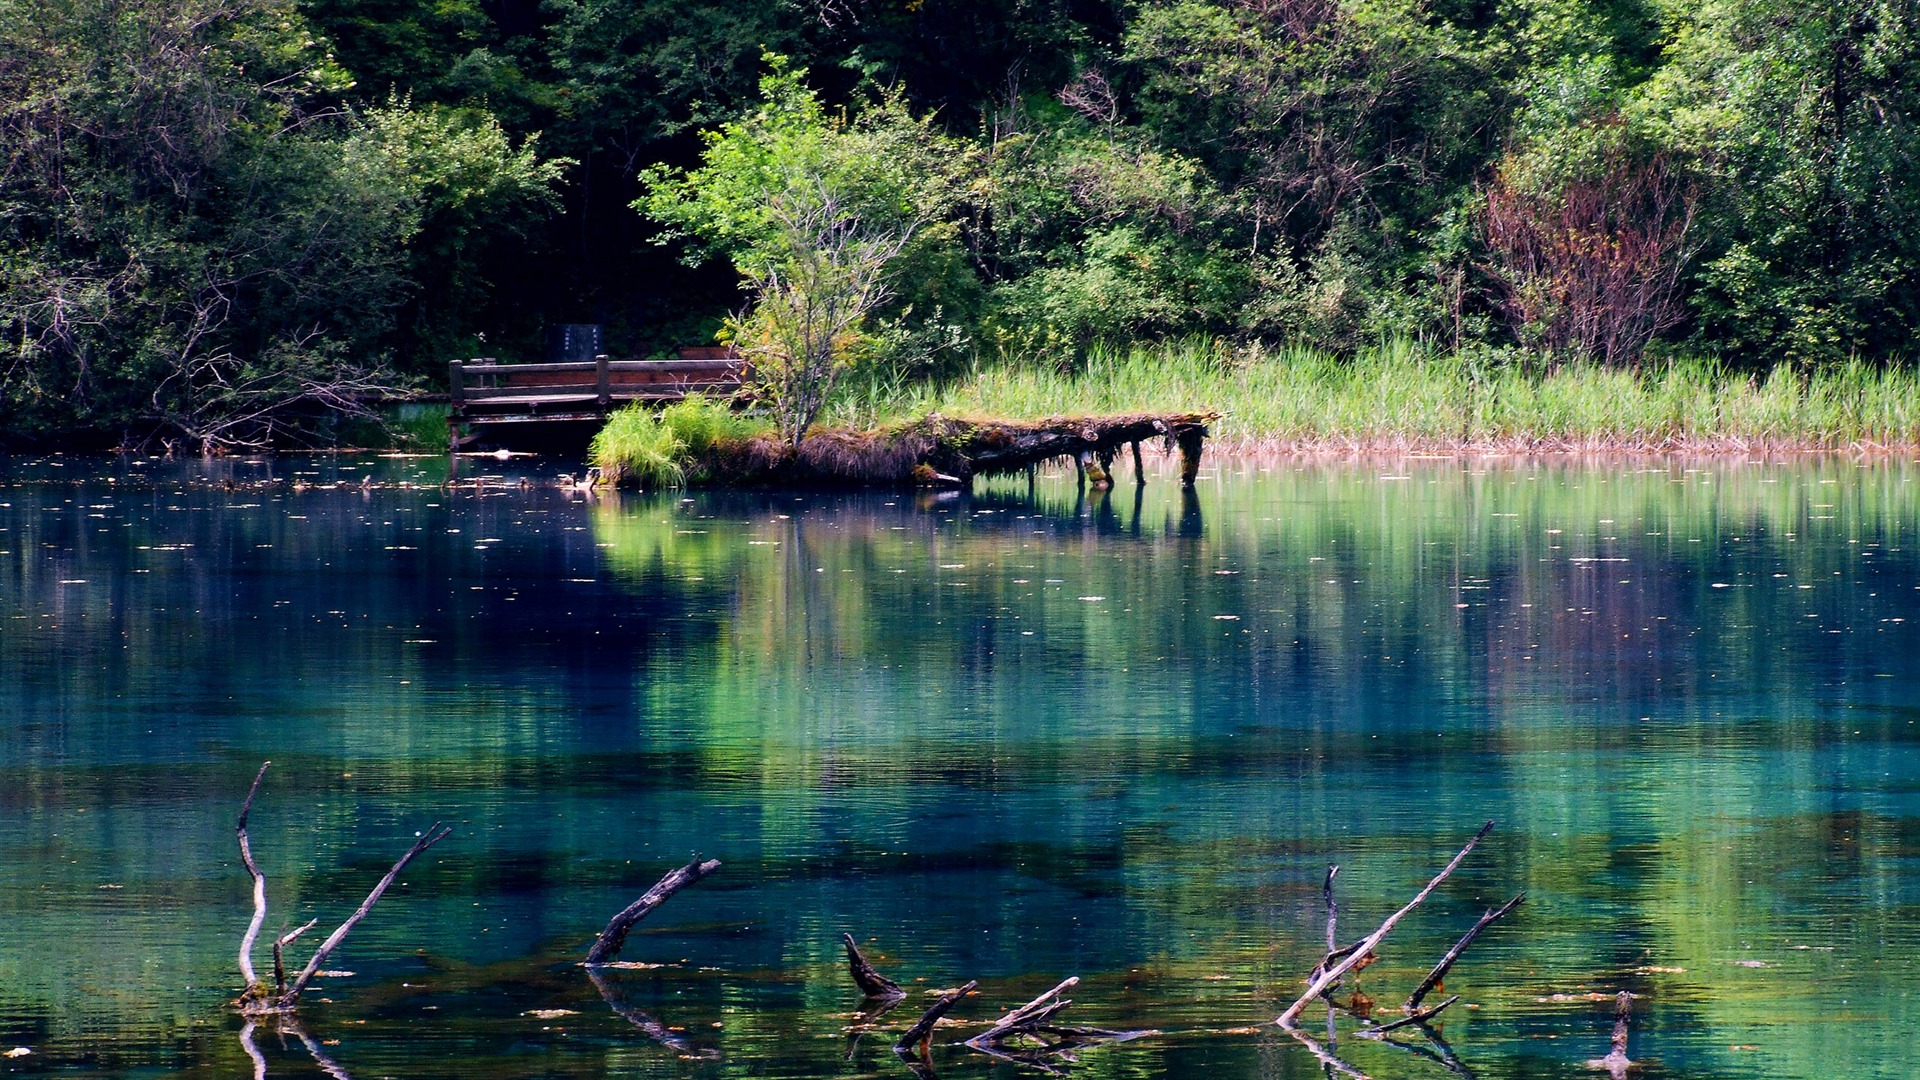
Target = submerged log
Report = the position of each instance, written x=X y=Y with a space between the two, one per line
x=940 y=451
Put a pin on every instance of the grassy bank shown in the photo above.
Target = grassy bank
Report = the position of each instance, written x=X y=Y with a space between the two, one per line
x=1399 y=397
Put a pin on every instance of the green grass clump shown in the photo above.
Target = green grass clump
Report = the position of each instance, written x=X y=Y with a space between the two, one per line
x=667 y=448
x=635 y=447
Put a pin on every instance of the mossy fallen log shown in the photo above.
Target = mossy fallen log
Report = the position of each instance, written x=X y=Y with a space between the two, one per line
x=941 y=451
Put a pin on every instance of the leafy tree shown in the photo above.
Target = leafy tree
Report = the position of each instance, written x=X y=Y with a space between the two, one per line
x=192 y=243
x=812 y=208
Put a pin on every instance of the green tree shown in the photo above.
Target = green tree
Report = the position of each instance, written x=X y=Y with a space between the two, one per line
x=193 y=244
x=813 y=209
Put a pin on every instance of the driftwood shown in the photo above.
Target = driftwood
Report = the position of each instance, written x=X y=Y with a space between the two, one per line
x=871 y=983
x=1361 y=949
x=607 y=948
x=915 y=1038
x=257 y=1000
x=1440 y=970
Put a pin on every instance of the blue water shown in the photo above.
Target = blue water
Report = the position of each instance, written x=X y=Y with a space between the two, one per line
x=1009 y=737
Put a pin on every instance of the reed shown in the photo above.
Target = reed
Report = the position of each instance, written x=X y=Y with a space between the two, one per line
x=1401 y=396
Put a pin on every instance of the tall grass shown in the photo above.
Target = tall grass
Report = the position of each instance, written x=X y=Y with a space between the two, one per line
x=1401 y=396
x=665 y=448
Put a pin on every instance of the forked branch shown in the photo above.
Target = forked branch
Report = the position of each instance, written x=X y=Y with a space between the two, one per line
x=434 y=834
x=1366 y=945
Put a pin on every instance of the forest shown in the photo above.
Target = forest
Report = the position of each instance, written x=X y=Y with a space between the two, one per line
x=221 y=219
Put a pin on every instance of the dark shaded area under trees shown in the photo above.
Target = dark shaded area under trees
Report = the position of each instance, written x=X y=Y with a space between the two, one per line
x=221 y=218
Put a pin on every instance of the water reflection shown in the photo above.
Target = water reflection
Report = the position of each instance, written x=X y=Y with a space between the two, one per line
x=1116 y=734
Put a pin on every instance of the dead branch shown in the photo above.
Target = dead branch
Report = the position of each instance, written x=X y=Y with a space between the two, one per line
x=1026 y=1017
x=1420 y=1017
x=614 y=937
x=1616 y=1062
x=913 y=1041
x=259 y=882
x=1367 y=944
x=280 y=943
x=1439 y=971
x=871 y=982
x=1333 y=910
x=434 y=834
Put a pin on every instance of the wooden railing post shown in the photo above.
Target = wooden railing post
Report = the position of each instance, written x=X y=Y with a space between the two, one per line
x=456 y=387
x=603 y=381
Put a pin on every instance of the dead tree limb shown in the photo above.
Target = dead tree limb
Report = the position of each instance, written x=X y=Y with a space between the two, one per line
x=1366 y=945
x=1333 y=910
x=913 y=1040
x=434 y=834
x=871 y=982
x=1420 y=1017
x=1027 y=1017
x=614 y=937
x=257 y=1000
x=279 y=944
x=1616 y=1063
x=259 y=882
x=1440 y=970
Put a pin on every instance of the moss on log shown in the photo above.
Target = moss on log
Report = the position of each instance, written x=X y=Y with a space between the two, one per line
x=940 y=451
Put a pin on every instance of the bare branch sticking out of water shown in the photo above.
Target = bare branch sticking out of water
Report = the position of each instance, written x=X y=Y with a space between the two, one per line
x=871 y=982
x=1366 y=945
x=259 y=882
x=434 y=834
x=1440 y=970
x=1028 y=1016
x=257 y=1000
x=614 y=937
x=913 y=1042
x=279 y=945
x=1616 y=1062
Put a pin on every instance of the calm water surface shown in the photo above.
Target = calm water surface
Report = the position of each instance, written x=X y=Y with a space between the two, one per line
x=1010 y=737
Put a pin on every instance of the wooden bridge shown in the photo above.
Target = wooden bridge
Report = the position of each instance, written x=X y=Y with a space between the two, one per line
x=485 y=394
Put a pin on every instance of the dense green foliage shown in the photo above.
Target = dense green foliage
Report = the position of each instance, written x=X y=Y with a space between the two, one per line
x=219 y=212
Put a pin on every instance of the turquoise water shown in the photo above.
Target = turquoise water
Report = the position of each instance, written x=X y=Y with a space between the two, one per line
x=1011 y=738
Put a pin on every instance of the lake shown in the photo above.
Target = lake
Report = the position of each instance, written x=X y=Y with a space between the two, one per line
x=1011 y=737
